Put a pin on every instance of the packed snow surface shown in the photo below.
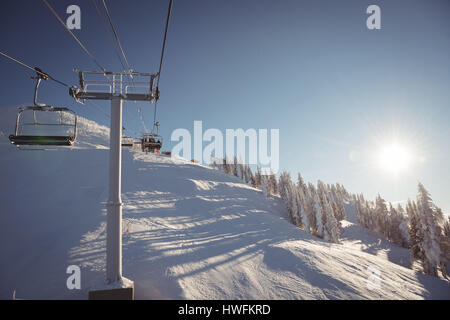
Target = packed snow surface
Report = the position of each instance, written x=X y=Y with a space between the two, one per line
x=190 y=232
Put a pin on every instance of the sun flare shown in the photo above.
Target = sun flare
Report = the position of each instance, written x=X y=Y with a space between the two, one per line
x=394 y=158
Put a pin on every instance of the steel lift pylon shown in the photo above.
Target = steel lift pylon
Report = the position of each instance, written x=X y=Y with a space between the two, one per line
x=116 y=87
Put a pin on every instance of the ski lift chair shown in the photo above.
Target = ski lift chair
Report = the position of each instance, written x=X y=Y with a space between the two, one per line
x=60 y=133
x=151 y=142
x=127 y=141
x=48 y=132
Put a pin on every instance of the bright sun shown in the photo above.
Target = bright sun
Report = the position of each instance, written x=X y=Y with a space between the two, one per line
x=394 y=158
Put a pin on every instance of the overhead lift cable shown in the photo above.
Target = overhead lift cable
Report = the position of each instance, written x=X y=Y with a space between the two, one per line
x=74 y=36
x=162 y=58
x=46 y=75
x=109 y=33
x=82 y=47
x=116 y=36
x=37 y=70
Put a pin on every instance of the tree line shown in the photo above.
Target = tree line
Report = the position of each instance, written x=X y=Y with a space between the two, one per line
x=318 y=209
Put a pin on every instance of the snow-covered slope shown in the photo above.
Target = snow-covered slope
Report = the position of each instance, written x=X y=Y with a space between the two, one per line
x=189 y=232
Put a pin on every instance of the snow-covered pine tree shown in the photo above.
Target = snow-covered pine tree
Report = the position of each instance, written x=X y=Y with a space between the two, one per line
x=359 y=210
x=224 y=165
x=268 y=184
x=445 y=248
x=245 y=173
x=343 y=192
x=415 y=233
x=403 y=227
x=285 y=194
x=249 y=178
x=391 y=223
x=302 y=209
x=314 y=209
x=253 y=179
x=235 y=167
x=333 y=204
x=370 y=214
x=381 y=215
x=273 y=183
x=331 y=225
x=339 y=204
x=296 y=205
x=365 y=213
x=264 y=187
x=393 y=226
x=258 y=178
x=240 y=171
x=321 y=217
x=212 y=162
x=431 y=232
x=304 y=203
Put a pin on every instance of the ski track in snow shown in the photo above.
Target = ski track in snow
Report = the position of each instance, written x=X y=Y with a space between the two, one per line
x=190 y=232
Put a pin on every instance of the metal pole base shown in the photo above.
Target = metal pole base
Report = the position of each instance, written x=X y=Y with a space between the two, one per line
x=113 y=294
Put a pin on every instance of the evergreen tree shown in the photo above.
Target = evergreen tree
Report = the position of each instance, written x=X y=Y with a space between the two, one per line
x=338 y=204
x=264 y=186
x=258 y=178
x=319 y=209
x=415 y=233
x=370 y=214
x=249 y=178
x=246 y=173
x=382 y=215
x=213 y=163
x=240 y=171
x=393 y=226
x=286 y=195
x=431 y=232
x=226 y=166
x=315 y=222
x=295 y=205
x=403 y=227
x=359 y=200
x=305 y=210
x=445 y=249
x=273 y=183
x=235 y=167
x=332 y=226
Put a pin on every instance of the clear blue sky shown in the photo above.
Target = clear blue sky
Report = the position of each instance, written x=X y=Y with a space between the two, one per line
x=312 y=69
